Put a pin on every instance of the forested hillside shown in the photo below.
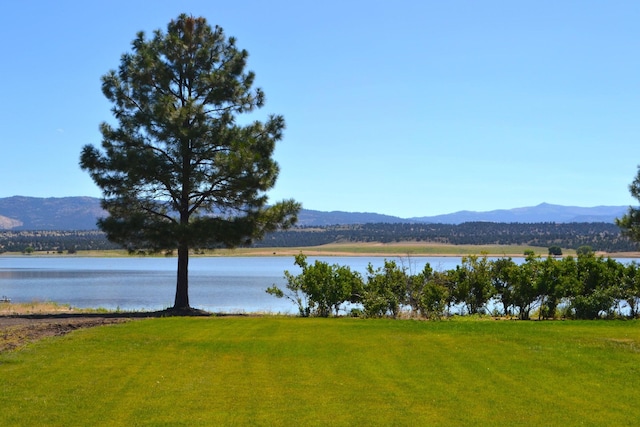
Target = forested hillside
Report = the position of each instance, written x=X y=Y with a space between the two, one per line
x=54 y=241
x=600 y=236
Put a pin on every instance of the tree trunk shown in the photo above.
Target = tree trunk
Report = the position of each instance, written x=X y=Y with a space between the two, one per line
x=182 y=286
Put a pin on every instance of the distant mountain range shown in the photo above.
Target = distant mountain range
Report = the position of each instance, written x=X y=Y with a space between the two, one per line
x=81 y=213
x=52 y=213
x=543 y=212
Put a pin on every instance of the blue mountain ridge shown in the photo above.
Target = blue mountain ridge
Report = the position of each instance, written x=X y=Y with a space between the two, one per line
x=543 y=212
x=81 y=213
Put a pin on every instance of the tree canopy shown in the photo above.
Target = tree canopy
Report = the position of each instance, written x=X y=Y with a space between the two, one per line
x=630 y=222
x=179 y=170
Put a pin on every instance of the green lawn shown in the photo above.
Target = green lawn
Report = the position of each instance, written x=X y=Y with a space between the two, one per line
x=294 y=371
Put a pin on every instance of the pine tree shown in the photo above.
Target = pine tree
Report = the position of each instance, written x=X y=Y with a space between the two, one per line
x=630 y=222
x=178 y=171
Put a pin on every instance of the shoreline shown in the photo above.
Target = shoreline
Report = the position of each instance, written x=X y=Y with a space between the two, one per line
x=397 y=249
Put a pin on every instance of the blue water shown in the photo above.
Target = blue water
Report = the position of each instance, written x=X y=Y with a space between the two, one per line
x=219 y=284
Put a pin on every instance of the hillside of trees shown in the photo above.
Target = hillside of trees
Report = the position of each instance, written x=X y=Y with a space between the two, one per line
x=599 y=236
x=54 y=241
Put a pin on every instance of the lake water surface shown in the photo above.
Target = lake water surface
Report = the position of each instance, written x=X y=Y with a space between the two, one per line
x=219 y=284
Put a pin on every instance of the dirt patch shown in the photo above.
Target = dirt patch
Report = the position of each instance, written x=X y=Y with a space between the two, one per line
x=18 y=330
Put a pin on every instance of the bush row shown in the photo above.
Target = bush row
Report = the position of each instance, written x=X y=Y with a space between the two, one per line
x=582 y=287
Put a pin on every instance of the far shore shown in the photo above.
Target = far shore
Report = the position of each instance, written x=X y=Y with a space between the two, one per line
x=396 y=249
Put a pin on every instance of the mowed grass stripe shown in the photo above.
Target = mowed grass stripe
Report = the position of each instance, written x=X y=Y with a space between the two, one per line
x=284 y=371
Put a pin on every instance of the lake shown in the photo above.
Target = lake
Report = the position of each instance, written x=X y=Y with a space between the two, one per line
x=217 y=284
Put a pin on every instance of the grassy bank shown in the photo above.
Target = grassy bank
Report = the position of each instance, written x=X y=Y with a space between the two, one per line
x=292 y=371
x=395 y=249
x=40 y=307
x=343 y=249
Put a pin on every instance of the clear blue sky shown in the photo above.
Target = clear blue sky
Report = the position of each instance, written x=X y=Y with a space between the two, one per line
x=406 y=108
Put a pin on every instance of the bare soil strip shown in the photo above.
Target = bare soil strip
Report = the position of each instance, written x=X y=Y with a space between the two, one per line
x=18 y=330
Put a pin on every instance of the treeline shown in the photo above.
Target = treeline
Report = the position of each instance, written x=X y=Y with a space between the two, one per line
x=599 y=235
x=582 y=287
x=54 y=241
